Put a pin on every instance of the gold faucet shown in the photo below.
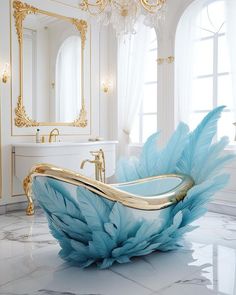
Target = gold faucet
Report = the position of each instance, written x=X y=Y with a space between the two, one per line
x=99 y=162
x=54 y=135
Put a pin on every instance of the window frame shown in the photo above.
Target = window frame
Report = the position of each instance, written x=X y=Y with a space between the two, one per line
x=215 y=37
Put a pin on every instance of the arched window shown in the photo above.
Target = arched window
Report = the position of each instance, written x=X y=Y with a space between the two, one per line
x=146 y=120
x=68 y=80
x=204 y=65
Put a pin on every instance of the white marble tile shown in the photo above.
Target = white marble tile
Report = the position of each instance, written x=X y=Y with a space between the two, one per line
x=218 y=277
x=20 y=234
x=29 y=264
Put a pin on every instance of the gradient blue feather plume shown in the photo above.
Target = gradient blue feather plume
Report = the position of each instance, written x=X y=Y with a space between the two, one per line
x=153 y=162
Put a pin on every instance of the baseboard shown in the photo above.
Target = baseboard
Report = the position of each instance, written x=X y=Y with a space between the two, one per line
x=222 y=207
x=2 y=209
x=13 y=207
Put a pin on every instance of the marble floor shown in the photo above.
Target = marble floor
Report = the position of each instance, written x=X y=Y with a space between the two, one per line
x=29 y=263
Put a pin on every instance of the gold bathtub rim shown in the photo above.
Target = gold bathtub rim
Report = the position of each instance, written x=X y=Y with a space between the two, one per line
x=110 y=191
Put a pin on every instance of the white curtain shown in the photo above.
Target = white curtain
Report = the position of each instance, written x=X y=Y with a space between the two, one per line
x=187 y=32
x=230 y=9
x=131 y=65
x=68 y=80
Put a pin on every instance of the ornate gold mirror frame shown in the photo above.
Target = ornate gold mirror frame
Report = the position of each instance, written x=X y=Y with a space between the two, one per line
x=21 y=10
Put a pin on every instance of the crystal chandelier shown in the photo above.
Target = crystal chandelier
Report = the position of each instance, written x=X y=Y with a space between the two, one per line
x=123 y=14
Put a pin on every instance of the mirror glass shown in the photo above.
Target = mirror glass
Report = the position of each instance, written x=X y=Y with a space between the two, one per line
x=52 y=69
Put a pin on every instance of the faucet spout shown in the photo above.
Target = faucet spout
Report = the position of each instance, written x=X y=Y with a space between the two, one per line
x=83 y=163
x=99 y=162
x=54 y=133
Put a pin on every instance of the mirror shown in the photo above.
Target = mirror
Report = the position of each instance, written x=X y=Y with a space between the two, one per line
x=51 y=68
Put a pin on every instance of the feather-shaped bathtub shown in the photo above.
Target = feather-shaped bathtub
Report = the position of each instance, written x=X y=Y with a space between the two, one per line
x=161 y=194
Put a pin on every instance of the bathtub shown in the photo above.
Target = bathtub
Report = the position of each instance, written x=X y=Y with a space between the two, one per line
x=84 y=214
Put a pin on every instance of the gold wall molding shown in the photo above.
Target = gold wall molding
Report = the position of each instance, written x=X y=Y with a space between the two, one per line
x=82 y=27
x=21 y=119
x=81 y=121
x=21 y=10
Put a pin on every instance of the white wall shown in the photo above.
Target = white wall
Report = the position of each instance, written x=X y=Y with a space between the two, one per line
x=11 y=188
x=108 y=70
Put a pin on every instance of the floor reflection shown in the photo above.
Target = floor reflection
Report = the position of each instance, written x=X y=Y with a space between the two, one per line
x=206 y=265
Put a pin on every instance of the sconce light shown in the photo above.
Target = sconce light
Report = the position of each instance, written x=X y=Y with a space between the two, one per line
x=170 y=59
x=106 y=86
x=6 y=73
x=162 y=60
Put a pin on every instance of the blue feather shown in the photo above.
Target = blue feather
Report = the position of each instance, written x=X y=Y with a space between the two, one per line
x=73 y=227
x=81 y=250
x=213 y=161
x=56 y=201
x=123 y=259
x=202 y=191
x=102 y=243
x=94 y=209
x=106 y=263
x=133 y=168
x=193 y=156
x=210 y=157
x=149 y=156
x=120 y=223
x=170 y=155
x=128 y=170
x=140 y=240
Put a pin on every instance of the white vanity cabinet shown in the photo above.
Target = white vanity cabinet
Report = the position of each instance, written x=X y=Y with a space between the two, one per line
x=62 y=154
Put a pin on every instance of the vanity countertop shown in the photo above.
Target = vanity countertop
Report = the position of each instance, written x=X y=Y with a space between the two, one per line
x=64 y=144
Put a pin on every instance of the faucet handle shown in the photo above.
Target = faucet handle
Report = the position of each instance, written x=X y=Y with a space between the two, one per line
x=94 y=153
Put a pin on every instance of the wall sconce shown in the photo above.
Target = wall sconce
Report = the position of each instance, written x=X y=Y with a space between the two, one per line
x=170 y=59
x=106 y=86
x=162 y=60
x=6 y=73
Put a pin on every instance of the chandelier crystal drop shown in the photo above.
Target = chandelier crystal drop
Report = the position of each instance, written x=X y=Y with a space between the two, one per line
x=123 y=14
